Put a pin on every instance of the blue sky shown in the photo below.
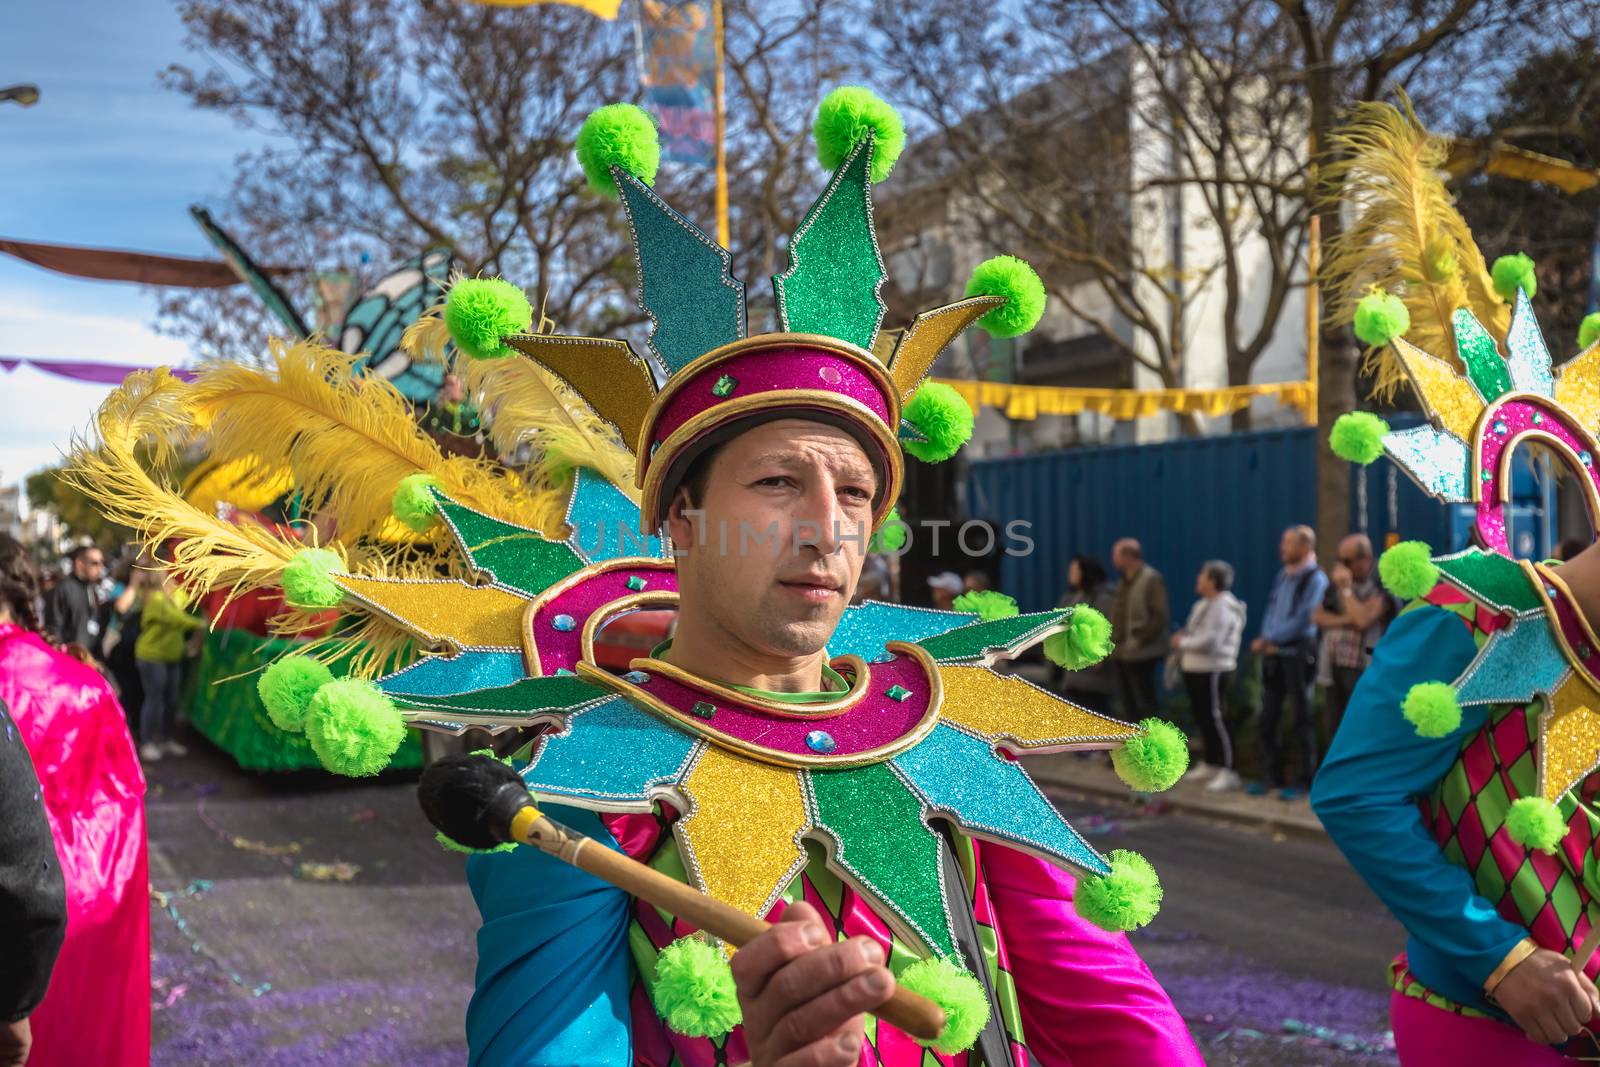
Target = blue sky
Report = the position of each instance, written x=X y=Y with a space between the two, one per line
x=107 y=157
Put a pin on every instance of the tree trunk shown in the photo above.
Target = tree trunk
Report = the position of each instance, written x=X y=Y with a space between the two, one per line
x=1336 y=368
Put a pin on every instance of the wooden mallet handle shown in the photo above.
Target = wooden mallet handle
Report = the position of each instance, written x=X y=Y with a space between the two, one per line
x=907 y=1011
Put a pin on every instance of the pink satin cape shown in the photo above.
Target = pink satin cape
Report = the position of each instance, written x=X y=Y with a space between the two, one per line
x=97 y=1010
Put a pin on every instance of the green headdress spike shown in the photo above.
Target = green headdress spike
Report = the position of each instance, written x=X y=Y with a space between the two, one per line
x=686 y=283
x=1480 y=356
x=835 y=268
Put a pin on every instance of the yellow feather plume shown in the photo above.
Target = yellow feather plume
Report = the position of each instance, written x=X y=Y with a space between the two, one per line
x=348 y=438
x=1408 y=239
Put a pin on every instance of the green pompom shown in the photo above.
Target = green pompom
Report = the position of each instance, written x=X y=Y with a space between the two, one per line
x=1153 y=760
x=942 y=417
x=1380 y=318
x=1432 y=707
x=1589 y=330
x=694 y=989
x=622 y=135
x=1357 y=437
x=286 y=688
x=844 y=118
x=1019 y=283
x=966 y=1008
x=1407 y=569
x=990 y=604
x=1125 y=899
x=1534 y=822
x=454 y=846
x=353 y=727
x=480 y=311
x=891 y=536
x=1085 y=642
x=1511 y=273
x=413 y=502
x=308 y=578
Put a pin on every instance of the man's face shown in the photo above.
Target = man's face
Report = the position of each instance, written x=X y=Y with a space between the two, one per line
x=780 y=537
x=1357 y=557
x=1292 y=547
x=90 y=566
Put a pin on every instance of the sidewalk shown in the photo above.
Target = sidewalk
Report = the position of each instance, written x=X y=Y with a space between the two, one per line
x=1070 y=772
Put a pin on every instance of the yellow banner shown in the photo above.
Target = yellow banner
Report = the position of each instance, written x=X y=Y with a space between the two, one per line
x=1028 y=402
x=606 y=9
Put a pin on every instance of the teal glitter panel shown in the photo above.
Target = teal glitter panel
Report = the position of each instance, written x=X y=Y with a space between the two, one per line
x=1514 y=665
x=610 y=753
x=517 y=556
x=1480 y=356
x=685 y=281
x=605 y=523
x=865 y=627
x=974 y=641
x=533 y=697
x=445 y=676
x=993 y=797
x=1527 y=358
x=835 y=268
x=1491 y=578
x=1435 y=460
x=909 y=432
x=892 y=855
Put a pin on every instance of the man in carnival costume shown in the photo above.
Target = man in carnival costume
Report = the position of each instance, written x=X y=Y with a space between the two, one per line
x=848 y=771
x=1461 y=784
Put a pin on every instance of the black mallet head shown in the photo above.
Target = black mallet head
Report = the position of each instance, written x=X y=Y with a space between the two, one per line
x=472 y=799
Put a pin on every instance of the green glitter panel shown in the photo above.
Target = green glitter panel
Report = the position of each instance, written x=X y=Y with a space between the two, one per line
x=1480 y=356
x=686 y=284
x=1491 y=578
x=972 y=642
x=535 y=696
x=835 y=268
x=516 y=555
x=885 y=846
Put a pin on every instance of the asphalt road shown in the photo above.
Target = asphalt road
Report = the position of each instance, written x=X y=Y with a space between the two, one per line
x=300 y=921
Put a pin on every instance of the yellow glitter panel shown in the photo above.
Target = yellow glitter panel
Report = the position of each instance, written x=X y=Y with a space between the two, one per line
x=1578 y=387
x=741 y=841
x=1010 y=709
x=1569 y=737
x=466 y=615
x=1446 y=395
x=928 y=335
x=615 y=382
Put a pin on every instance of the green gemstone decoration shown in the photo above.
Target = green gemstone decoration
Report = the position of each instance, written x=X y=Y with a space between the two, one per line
x=1480 y=356
x=724 y=385
x=703 y=709
x=637 y=583
x=533 y=696
x=685 y=279
x=890 y=851
x=835 y=269
x=1488 y=475
x=1491 y=578
x=973 y=641
x=897 y=693
x=516 y=555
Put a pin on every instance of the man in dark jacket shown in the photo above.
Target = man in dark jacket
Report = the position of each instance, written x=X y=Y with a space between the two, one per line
x=1140 y=616
x=73 y=613
x=33 y=896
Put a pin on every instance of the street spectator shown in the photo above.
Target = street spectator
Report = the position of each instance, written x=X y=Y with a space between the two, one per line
x=122 y=633
x=72 y=612
x=1570 y=547
x=1288 y=650
x=1352 y=616
x=164 y=625
x=1086 y=584
x=945 y=587
x=97 y=1008
x=1208 y=653
x=976 y=582
x=875 y=581
x=1139 y=619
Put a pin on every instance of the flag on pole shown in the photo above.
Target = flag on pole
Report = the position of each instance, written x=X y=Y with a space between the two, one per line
x=678 y=69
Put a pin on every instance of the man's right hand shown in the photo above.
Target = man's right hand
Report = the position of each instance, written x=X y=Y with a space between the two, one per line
x=803 y=996
x=1547 y=998
x=15 y=1041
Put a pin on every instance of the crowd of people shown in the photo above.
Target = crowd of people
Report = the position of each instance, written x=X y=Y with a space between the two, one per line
x=1315 y=635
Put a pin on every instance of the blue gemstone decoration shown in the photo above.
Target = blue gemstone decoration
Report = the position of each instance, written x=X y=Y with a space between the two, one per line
x=1500 y=426
x=821 y=741
x=564 y=623
x=636 y=677
x=1588 y=460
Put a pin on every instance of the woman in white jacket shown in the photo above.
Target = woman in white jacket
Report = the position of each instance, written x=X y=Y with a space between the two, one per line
x=1208 y=653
